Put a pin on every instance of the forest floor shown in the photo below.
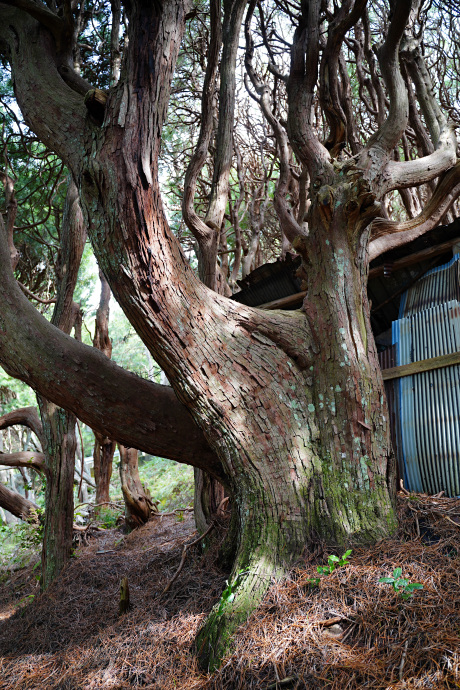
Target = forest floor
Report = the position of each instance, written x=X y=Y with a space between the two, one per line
x=343 y=630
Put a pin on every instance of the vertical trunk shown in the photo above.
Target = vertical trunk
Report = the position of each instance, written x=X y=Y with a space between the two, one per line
x=59 y=426
x=331 y=476
x=138 y=504
x=59 y=448
x=104 y=448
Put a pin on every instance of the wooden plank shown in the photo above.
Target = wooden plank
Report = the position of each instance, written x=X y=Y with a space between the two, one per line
x=421 y=365
x=284 y=301
x=415 y=258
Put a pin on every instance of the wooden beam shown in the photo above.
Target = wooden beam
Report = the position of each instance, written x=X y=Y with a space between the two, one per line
x=415 y=258
x=284 y=301
x=421 y=365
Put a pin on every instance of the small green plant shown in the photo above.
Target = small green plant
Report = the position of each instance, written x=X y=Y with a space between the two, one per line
x=108 y=517
x=228 y=594
x=333 y=562
x=403 y=587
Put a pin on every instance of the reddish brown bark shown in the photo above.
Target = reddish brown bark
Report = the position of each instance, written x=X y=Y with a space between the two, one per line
x=292 y=403
x=16 y=504
x=104 y=447
x=138 y=503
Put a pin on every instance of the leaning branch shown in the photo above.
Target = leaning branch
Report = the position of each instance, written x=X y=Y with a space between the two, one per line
x=195 y=224
x=138 y=413
x=387 y=234
x=401 y=175
x=16 y=504
x=34 y=461
x=26 y=416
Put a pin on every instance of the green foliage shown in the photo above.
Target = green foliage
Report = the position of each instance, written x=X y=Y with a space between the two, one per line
x=107 y=517
x=30 y=532
x=333 y=562
x=170 y=483
x=20 y=542
x=400 y=585
x=17 y=395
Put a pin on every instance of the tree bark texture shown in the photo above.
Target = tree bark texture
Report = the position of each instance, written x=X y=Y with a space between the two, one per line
x=104 y=447
x=138 y=504
x=291 y=402
x=17 y=504
x=59 y=448
x=59 y=425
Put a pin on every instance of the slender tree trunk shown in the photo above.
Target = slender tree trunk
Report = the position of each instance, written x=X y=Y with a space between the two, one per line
x=59 y=426
x=59 y=448
x=104 y=448
x=138 y=504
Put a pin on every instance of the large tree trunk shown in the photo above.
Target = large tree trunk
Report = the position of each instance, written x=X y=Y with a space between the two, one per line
x=292 y=403
x=297 y=419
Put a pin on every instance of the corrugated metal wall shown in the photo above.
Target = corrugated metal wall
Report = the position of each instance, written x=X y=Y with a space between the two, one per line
x=427 y=405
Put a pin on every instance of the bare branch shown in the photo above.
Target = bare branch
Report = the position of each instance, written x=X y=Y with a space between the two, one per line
x=290 y=226
x=35 y=461
x=195 y=224
x=301 y=84
x=405 y=174
x=387 y=234
x=345 y=17
x=388 y=135
x=26 y=416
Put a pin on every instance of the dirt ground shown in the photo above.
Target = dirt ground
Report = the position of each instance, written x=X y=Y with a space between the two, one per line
x=346 y=632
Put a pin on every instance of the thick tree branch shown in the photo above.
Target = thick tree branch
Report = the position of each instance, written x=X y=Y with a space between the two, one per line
x=55 y=112
x=138 y=413
x=35 y=461
x=301 y=84
x=388 y=135
x=387 y=234
x=26 y=416
x=329 y=92
x=413 y=173
x=17 y=504
x=42 y=14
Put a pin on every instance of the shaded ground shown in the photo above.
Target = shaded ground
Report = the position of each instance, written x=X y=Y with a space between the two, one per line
x=72 y=637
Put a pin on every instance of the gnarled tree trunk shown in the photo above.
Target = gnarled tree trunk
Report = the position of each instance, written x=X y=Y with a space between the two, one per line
x=138 y=503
